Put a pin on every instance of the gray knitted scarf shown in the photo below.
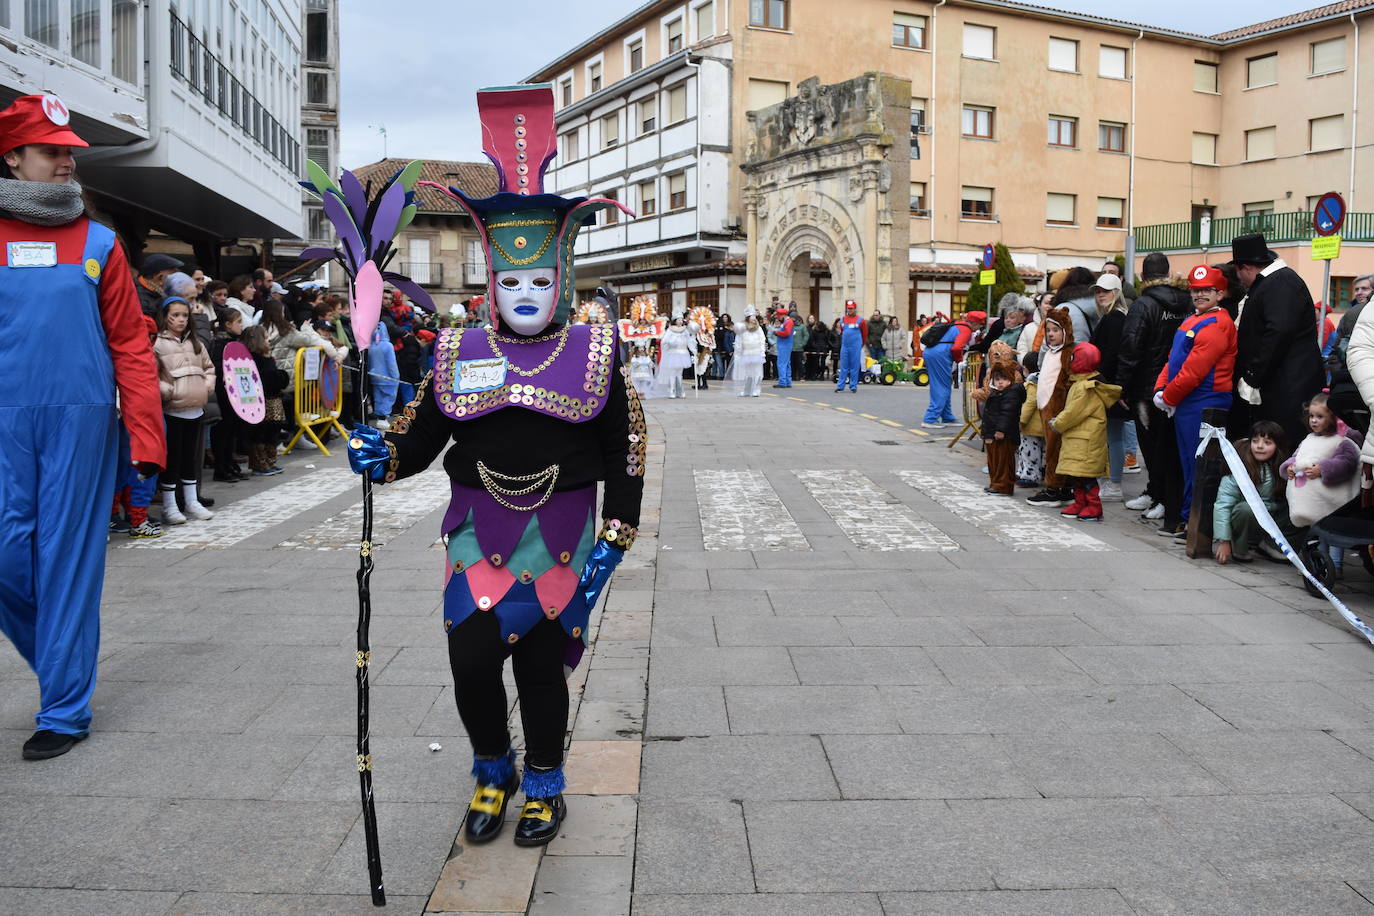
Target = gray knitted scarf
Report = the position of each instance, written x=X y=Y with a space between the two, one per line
x=42 y=203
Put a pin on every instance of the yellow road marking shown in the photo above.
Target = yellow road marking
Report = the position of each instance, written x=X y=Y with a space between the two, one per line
x=891 y=423
x=919 y=432
x=790 y=398
x=820 y=403
x=845 y=409
x=868 y=416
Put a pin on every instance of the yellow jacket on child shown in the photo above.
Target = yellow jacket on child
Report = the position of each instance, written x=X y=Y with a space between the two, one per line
x=1031 y=424
x=1083 y=425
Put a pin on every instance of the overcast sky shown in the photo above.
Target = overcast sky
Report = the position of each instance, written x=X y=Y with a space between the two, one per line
x=413 y=67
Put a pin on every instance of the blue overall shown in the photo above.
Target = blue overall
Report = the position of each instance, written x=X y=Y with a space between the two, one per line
x=58 y=446
x=851 y=356
x=1188 y=415
x=785 y=359
x=940 y=365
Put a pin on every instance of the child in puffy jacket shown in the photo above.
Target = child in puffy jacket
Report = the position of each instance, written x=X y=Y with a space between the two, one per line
x=1323 y=474
x=1082 y=426
x=186 y=378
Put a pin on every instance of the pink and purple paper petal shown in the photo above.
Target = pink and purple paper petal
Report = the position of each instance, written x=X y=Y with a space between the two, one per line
x=367 y=303
x=355 y=252
x=385 y=219
x=417 y=293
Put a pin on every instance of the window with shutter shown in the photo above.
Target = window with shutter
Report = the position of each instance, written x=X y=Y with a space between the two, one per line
x=1326 y=133
x=908 y=31
x=677 y=191
x=1059 y=209
x=1111 y=62
x=677 y=104
x=648 y=114
x=762 y=93
x=610 y=131
x=1110 y=212
x=1205 y=77
x=672 y=34
x=1063 y=131
x=648 y=198
x=1259 y=143
x=706 y=20
x=975 y=203
x=980 y=41
x=1111 y=137
x=918 y=195
x=1262 y=71
x=978 y=122
x=1064 y=55
x=1205 y=148
x=1328 y=56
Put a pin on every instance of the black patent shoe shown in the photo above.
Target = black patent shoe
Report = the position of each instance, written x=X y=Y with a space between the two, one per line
x=487 y=810
x=540 y=820
x=46 y=744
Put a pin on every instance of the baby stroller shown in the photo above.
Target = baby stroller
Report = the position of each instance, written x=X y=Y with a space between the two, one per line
x=1340 y=532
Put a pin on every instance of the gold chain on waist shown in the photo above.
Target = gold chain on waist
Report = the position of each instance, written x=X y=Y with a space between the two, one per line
x=561 y=336
x=498 y=485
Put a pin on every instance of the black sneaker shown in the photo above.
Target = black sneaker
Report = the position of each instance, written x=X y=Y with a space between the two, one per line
x=540 y=820
x=46 y=744
x=1049 y=499
x=119 y=523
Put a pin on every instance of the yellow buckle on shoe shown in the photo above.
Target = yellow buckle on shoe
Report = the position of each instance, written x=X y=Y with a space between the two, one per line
x=537 y=810
x=488 y=800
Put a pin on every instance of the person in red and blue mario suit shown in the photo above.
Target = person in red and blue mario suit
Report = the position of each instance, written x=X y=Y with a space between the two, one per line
x=71 y=336
x=1199 y=372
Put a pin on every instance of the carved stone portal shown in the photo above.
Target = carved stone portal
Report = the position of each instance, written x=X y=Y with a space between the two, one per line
x=824 y=172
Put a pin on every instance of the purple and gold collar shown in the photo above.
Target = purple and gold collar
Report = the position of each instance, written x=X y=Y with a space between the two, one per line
x=477 y=372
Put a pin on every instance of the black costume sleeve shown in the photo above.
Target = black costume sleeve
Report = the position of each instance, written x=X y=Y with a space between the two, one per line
x=624 y=440
x=418 y=434
x=1285 y=314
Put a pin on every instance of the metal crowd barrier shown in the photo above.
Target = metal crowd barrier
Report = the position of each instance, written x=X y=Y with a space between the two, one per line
x=319 y=397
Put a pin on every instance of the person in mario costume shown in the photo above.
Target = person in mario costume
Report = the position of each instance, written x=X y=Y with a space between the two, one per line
x=1198 y=375
x=62 y=278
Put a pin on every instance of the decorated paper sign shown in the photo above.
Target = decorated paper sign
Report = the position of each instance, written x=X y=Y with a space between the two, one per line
x=311 y=368
x=243 y=384
x=329 y=385
x=481 y=374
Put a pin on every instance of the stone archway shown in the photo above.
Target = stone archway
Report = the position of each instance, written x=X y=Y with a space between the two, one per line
x=824 y=180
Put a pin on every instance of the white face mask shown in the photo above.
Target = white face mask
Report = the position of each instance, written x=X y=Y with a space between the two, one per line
x=525 y=299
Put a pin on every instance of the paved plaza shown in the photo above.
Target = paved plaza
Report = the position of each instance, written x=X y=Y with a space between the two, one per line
x=832 y=677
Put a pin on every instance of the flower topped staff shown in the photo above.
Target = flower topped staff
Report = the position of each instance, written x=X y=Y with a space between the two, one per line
x=367 y=225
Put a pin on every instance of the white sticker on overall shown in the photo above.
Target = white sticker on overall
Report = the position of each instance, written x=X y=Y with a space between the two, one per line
x=33 y=254
x=481 y=374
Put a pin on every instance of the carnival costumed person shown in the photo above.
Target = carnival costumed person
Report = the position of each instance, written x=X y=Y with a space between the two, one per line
x=785 y=325
x=750 y=345
x=58 y=424
x=534 y=412
x=853 y=333
x=1199 y=373
x=941 y=357
x=677 y=352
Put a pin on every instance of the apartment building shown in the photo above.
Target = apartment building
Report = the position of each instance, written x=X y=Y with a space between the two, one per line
x=1061 y=135
x=191 y=107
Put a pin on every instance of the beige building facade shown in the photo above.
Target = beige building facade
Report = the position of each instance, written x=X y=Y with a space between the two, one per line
x=1060 y=135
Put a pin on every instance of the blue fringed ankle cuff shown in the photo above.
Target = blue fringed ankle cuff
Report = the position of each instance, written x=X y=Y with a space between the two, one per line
x=544 y=784
x=496 y=772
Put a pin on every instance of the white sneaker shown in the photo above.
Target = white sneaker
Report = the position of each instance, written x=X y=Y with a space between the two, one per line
x=1156 y=511
x=383 y=425
x=925 y=425
x=172 y=516
x=1109 y=490
x=195 y=510
x=1140 y=503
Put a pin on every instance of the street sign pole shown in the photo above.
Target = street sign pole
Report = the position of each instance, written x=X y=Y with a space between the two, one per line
x=1328 y=216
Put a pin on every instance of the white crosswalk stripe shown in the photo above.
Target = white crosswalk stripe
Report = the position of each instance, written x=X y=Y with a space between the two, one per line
x=240 y=520
x=1011 y=521
x=740 y=510
x=870 y=516
x=396 y=508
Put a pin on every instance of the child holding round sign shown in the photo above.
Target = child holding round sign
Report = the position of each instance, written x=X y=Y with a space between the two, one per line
x=255 y=387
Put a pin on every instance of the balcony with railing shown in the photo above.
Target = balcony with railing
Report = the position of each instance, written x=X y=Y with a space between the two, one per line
x=1278 y=228
x=474 y=274
x=425 y=273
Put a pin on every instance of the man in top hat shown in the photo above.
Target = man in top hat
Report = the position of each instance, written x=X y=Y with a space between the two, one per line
x=59 y=430
x=1278 y=361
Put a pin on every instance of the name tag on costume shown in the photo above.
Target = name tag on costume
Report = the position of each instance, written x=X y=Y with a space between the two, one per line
x=33 y=254
x=481 y=374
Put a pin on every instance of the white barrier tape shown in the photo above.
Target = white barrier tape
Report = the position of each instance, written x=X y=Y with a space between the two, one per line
x=1271 y=528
